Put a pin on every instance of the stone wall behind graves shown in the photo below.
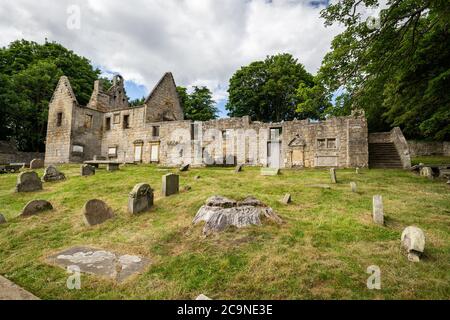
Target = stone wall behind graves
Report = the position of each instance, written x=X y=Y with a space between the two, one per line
x=429 y=148
x=9 y=154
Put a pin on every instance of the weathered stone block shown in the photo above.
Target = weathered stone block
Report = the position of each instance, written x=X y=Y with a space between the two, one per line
x=36 y=206
x=333 y=175
x=270 y=171
x=287 y=198
x=238 y=168
x=96 y=212
x=426 y=172
x=170 y=184
x=52 y=174
x=413 y=241
x=87 y=170
x=353 y=186
x=36 y=164
x=378 y=214
x=28 y=182
x=140 y=198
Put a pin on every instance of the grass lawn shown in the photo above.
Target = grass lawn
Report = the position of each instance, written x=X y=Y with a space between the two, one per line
x=431 y=160
x=322 y=250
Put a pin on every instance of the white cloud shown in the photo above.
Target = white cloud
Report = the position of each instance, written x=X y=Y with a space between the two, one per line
x=201 y=41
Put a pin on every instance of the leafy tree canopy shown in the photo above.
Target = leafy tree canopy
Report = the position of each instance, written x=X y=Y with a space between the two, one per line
x=271 y=90
x=197 y=105
x=395 y=66
x=29 y=73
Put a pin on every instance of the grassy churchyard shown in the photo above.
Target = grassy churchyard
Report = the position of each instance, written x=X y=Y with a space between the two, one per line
x=322 y=250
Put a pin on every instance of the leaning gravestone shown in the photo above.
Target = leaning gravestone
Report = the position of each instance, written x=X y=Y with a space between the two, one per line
x=287 y=198
x=140 y=198
x=184 y=167
x=238 y=168
x=28 y=182
x=413 y=241
x=52 y=174
x=333 y=175
x=36 y=164
x=377 y=214
x=170 y=184
x=36 y=206
x=426 y=172
x=96 y=212
x=353 y=186
x=2 y=219
x=87 y=170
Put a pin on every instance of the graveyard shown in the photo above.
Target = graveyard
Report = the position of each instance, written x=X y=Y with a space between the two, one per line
x=319 y=245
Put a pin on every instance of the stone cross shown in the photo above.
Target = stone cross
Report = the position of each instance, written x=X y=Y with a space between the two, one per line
x=140 y=198
x=377 y=214
x=333 y=175
x=170 y=184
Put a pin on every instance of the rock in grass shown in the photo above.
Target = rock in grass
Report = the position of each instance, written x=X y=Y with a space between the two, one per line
x=286 y=199
x=36 y=206
x=238 y=168
x=413 y=241
x=221 y=212
x=202 y=297
x=377 y=213
x=96 y=212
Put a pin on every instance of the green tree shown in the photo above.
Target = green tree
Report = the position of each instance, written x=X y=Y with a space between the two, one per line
x=267 y=90
x=396 y=69
x=29 y=73
x=198 y=105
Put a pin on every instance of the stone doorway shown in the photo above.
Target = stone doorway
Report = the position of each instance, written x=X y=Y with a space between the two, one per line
x=154 y=152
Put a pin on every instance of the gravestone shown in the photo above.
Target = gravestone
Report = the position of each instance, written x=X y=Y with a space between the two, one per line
x=287 y=198
x=377 y=214
x=184 y=168
x=353 y=186
x=333 y=175
x=36 y=206
x=87 y=170
x=170 y=184
x=187 y=188
x=413 y=241
x=2 y=219
x=426 y=172
x=112 y=166
x=52 y=174
x=270 y=171
x=140 y=198
x=357 y=170
x=28 y=182
x=238 y=168
x=196 y=177
x=96 y=212
x=36 y=164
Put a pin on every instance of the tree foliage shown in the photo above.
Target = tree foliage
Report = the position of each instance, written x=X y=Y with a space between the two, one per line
x=268 y=90
x=29 y=73
x=396 y=69
x=197 y=105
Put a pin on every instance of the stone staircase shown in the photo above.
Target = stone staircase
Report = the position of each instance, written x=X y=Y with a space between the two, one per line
x=384 y=155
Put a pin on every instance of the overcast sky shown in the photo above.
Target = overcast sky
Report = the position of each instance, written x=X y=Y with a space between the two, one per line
x=203 y=42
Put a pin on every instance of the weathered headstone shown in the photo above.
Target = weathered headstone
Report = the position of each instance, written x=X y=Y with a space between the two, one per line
x=287 y=198
x=202 y=297
x=333 y=175
x=238 y=168
x=28 y=182
x=378 y=214
x=87 y=170
x=112 y=166
x=184 y=167
x=2 y=219
x=270 y=171
x=353 y=186
x=36 y=206
x=413 y=241
x=140 y=198
x=36 y=164
x=357 y=170
x=52 y=174
x=96 y=212
x=170 y=184
x=426 y=172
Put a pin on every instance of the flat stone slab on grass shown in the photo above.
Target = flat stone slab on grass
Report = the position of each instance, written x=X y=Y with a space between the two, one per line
x=320 y=186
x=11 y=291
x=270 y=171
x=100 y=262
x=36 y=206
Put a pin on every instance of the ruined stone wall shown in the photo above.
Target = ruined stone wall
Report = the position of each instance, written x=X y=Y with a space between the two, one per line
x=10 y=154
x=429 y=148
